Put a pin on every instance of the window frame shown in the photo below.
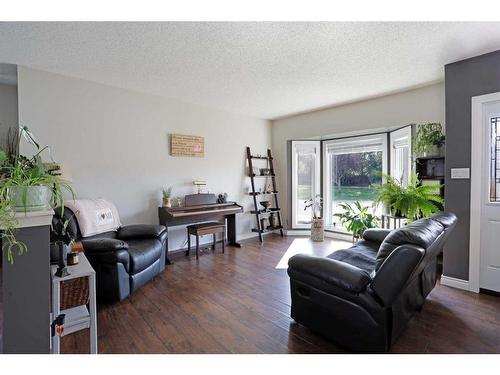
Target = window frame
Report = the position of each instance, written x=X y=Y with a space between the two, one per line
x=394 y=136
x=317 y=177
x=326 y=172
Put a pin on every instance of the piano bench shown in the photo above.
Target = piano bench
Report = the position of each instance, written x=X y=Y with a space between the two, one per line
x=203 y=229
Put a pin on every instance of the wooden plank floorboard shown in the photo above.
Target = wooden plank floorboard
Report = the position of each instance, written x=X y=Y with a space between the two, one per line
x=238 y=302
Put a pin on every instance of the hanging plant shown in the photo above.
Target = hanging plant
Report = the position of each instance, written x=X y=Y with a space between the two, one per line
x=429 y=136
x=25 y=184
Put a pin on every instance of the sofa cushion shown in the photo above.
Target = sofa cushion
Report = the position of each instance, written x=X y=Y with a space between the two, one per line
x=361 y=255
x=422 y=233
x=143 y=253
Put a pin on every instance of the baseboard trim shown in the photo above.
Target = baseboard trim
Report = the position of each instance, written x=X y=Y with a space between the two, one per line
x=241 y=237
x=247 y=236
x=455 y=283
x=328 y=234
x=298 y=232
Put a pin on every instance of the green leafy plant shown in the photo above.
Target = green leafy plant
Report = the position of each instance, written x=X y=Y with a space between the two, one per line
x=60 y=233
x=20 y=172
x=429 y=135
x=356 y=218
x=316 y=205
x=8 y=225
x=413 y=201
x=167 y=192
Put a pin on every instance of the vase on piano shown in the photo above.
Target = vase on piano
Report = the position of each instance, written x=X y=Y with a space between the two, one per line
x=317 y=229
x=167 y=202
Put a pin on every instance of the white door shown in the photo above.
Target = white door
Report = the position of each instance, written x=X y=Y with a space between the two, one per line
x=490 y=208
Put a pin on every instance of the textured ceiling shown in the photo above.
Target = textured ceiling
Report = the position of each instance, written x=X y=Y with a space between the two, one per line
x=264 y=70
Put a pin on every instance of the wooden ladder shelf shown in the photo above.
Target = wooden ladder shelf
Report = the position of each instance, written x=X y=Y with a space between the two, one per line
x=259 y=211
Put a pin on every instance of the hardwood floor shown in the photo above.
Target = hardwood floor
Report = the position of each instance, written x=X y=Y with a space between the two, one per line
x=238 y=302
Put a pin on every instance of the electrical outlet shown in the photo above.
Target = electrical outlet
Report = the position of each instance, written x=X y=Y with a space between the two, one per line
x=460 y=173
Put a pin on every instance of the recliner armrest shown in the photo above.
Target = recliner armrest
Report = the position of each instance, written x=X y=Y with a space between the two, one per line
x=106 y=250
x=376 y=234
x=395 y=272
x=131 y=232
x=319 y=271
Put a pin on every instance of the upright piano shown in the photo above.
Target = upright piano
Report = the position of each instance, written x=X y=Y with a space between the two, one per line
x=202 y=207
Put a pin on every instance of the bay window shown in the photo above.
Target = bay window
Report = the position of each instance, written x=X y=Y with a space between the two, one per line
x=346 y=170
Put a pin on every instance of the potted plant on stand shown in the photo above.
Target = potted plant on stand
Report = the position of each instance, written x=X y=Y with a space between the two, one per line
x=429 y=139
x=60 y=245
x=356 y=218
x=412 y=202
x=26 y=185
x=317 y=222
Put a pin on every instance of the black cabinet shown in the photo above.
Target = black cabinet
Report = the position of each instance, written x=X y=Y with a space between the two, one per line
x=431 y=170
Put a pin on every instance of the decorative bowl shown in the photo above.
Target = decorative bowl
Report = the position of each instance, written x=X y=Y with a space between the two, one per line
x=265 y=204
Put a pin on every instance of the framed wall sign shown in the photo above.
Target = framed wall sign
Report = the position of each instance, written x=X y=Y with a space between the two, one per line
x=187 y=145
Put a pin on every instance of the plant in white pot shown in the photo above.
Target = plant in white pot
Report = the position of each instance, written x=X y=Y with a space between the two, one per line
x=26 y=185
x=317 y=223
x=167 y=196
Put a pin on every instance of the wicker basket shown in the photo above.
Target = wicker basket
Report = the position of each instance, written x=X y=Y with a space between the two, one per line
x=74 y=293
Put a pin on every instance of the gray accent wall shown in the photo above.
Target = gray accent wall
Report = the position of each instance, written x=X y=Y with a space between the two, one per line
x=463 y=79
x=26 y=295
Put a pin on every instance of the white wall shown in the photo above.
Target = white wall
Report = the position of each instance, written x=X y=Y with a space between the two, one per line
x=414 y=106
x=8 y=111
x=115 y=144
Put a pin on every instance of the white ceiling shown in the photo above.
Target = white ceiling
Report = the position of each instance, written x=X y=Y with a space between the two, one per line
x=264 y=70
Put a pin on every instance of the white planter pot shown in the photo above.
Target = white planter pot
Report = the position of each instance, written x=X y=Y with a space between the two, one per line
x=167 y=202
x=37 y=198
x=434 y=151
x=317 y=229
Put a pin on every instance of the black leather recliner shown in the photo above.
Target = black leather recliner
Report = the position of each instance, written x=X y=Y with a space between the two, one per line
x=362 y=298
x=124 y=260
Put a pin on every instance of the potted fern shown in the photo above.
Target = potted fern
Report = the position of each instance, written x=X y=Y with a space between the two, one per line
x=413 y=201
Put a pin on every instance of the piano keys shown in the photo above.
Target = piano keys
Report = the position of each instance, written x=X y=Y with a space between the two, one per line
x=202 y=207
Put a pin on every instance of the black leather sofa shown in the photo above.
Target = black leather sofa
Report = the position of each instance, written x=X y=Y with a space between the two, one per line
x=124 y=260
x=362 y=298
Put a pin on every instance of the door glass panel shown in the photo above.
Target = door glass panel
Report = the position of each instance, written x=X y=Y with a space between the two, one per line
x=495 y=160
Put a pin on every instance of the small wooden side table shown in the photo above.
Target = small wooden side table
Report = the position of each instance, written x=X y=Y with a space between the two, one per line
x=79 y=317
